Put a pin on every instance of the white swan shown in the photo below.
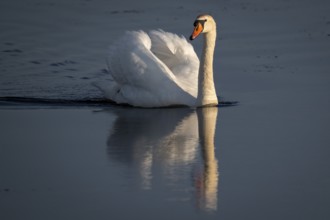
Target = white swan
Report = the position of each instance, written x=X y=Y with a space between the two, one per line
x=162 y=69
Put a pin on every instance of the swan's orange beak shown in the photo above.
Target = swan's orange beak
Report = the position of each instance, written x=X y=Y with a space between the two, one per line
x=197 y=30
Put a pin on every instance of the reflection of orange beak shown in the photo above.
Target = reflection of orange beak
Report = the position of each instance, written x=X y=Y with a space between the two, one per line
x=198 y=29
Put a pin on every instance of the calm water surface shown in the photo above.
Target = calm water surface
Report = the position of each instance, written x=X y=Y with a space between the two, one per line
x=119 y=162
x=211 y=163
x=267 y=158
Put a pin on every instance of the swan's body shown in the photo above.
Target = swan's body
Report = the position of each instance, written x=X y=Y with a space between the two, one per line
x=162 y=69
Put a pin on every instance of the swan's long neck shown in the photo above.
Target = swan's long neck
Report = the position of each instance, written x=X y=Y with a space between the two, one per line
x=206 y=90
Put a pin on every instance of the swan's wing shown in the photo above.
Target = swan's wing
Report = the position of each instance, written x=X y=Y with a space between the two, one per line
x=178 y=55
x=139 y=77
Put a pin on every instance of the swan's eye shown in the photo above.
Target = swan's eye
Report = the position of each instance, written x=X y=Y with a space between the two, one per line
x=200 y=21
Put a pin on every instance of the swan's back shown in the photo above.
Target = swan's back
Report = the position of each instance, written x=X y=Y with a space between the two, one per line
x=179 y=56
x=159 y=69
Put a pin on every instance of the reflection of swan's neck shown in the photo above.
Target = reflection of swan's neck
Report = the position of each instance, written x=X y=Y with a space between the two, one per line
x=206 y=89
x=207 y=121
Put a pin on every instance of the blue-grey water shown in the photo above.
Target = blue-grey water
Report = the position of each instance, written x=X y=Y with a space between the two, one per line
x=266 y=158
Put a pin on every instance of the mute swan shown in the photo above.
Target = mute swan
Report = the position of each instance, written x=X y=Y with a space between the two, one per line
x=162 y=69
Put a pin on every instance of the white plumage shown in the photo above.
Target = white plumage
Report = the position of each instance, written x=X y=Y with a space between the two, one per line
x=152 y=70
x=159 y=69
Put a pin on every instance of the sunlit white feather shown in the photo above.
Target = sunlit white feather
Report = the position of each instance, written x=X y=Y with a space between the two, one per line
x=152 y=70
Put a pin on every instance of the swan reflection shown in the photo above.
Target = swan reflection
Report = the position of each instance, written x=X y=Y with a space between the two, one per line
x=167 y=146
x=207 y=123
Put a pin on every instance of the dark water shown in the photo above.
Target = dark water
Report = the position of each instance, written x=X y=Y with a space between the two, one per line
x=114 y=163
x=122 y=162
x=67 y=154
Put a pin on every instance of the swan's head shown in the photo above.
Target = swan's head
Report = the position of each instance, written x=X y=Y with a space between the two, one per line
x=203 y=24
